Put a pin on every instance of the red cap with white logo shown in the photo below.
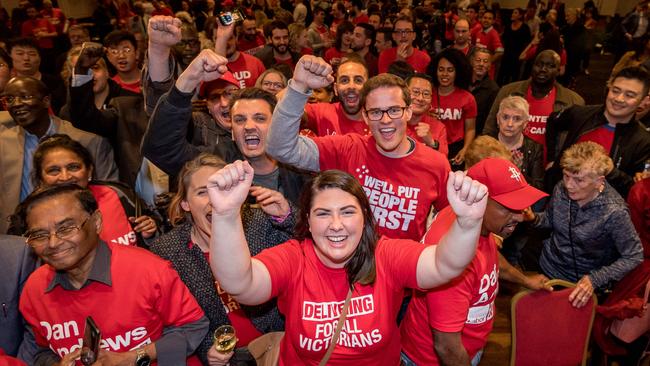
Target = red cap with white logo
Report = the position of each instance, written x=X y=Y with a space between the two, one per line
x=505 y=182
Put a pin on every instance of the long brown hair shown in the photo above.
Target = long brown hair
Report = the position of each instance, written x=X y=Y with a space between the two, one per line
x=176 y=213
x=361 y=267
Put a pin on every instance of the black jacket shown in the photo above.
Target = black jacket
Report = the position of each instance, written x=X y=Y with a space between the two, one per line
x=266 y=56
x=194 y=270
x=123 y=122
x=174 y=132
x=533 y=162
x=484 y=92
x=630 y=148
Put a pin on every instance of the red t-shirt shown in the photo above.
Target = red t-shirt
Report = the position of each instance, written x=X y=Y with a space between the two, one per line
x=489 y=39
x=465 y=305
x=437 y=130
x=246 y=331
x=331 y=53
x=418 y=59
x=116 y=227
x=135 y=86
x=638 y=200
x=603 y=135
x=244 y=45
x=246 y=69
x=363 y=18
x=146 y=295
x=453 y=110
x=538 y=113
x=56 y=18
x=31 y=27
x=330 y=119
x=401 y=190
x=311 y=296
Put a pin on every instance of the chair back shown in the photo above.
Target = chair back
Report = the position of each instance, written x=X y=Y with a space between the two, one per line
x=547 y=330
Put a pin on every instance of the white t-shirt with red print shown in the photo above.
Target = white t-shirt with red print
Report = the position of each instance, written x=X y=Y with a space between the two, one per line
x=466 y=304
x=401 y=190
x=311 y=297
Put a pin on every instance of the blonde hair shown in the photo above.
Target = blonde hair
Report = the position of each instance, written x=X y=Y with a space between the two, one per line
x=588 y=156
x=485 y=147
x=514 y=102
x=175 y=212
x=295 y=30
x=260 y=79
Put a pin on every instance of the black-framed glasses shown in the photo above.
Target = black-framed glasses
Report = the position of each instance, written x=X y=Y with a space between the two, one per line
x=11 y=99
x=273 y=84
x=376 y=114
x=41 y=238
x=403 y=32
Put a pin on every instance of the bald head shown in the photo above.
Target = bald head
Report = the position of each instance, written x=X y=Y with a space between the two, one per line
x=545 y=68
x=461 y=32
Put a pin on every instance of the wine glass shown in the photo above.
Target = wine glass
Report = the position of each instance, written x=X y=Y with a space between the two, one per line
x=224 y=338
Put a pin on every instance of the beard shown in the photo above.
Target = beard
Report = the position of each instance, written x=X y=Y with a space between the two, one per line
x=282 y=49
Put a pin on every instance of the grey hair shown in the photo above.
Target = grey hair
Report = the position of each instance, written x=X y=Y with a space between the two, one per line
x=515 y=102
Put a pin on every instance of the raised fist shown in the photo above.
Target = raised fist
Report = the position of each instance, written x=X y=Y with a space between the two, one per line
x=311 y=73
x=164 y=30
x=91 y=52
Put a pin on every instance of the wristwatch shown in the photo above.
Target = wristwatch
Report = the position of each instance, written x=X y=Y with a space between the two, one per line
x=142 y=358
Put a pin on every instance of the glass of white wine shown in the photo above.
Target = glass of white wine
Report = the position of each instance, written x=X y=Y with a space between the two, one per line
x=224 y=338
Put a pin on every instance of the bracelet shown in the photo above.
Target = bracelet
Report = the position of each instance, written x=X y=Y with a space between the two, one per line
x=280 y=219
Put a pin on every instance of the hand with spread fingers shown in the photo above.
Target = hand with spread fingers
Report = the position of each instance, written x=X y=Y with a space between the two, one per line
x=582 y=292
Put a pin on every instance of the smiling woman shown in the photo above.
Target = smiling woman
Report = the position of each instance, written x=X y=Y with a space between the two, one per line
x=187 y=247
x=337 y=252
x=59 y=160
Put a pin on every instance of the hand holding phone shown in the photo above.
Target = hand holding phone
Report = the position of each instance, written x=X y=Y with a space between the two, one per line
x=90 y=346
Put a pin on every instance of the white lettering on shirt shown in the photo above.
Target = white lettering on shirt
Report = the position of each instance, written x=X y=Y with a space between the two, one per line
x=394 y=207
x=483 y=309
x=327 y=315
x=242 y=76
x=449 y=113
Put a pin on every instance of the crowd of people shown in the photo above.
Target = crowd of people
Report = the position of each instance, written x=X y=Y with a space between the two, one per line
x=358 y=175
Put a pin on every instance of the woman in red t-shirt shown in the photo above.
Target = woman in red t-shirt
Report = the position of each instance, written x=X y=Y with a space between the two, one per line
x=187 y=247
x=337 y=254
x=342 y=45
x=452 y=103
x=61 y=160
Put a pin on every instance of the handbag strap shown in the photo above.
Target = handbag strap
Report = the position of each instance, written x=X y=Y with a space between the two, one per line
x=339 y=326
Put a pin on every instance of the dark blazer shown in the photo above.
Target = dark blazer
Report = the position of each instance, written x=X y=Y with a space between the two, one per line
x=122 y=122
x=17 y=262
x=533 y=162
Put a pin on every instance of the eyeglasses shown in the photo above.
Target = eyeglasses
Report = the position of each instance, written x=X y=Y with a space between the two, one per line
x=10 y=99
x=376 y=114
x=418 y=92
x=118 y=51
x=218 y=93
x=403 y=32
x=271 y=84
x=41 y=238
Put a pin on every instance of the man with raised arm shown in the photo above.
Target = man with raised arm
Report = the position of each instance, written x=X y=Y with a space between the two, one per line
x=401 y=177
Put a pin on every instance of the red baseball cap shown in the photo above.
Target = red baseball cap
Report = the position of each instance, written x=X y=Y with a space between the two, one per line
x=224 y=80
x=505 y=182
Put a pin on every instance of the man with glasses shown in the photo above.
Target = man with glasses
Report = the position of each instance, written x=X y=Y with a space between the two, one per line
x=27 y=101
x=142 y=308
x=401 y=177
x=404 y=35
x=122 y=53
x=422 y=126
x=166 y=142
